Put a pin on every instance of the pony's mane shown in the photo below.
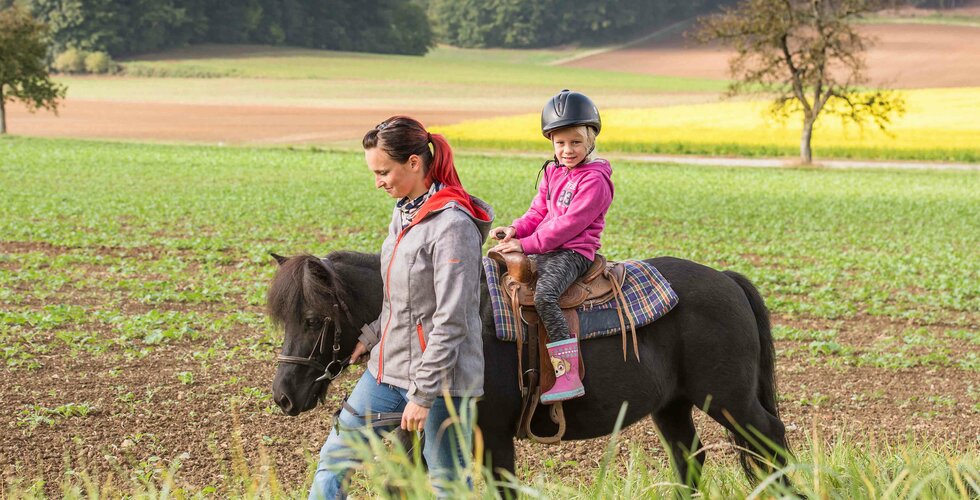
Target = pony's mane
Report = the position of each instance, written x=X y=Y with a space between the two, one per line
x=306 y=282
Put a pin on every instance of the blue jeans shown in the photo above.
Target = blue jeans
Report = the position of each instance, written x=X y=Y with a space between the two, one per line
x=443 y=455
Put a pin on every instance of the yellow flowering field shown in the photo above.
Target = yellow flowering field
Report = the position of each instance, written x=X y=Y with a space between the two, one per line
x=939 y=124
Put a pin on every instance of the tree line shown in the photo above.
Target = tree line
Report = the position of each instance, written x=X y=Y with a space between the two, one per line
x=127 y=27
x=543 y=23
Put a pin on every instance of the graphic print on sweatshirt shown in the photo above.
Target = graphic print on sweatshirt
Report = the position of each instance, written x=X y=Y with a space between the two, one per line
x=565 y=198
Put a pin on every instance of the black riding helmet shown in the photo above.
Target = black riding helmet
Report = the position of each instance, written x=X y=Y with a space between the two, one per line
x=567 y=109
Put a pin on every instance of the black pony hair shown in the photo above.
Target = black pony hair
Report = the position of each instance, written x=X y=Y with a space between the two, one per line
x=303 y=283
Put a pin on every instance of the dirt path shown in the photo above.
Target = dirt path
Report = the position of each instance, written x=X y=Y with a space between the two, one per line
x=904 y=56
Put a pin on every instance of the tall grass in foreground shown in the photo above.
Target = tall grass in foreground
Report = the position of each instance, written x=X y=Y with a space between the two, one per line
x=821 y=469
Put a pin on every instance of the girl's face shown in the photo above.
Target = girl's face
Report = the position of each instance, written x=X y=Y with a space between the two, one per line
x=397 y=179
x=571 y=145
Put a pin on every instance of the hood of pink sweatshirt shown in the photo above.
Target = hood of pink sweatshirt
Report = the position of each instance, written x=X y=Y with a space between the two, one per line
x=569 y=210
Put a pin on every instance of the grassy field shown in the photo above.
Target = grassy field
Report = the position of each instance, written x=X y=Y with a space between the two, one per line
x=500 y=68
x=940 y=124
x=446 y=78
x=132 y=279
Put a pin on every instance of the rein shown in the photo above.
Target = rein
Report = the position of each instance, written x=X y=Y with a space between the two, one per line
x=336 y=366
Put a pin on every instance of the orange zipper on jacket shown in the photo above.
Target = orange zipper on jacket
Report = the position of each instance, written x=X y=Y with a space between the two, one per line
x=384 y=333
x=418 y=329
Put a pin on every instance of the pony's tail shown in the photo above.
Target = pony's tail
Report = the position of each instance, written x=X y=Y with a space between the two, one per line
x=767 y=377
x=767 y=356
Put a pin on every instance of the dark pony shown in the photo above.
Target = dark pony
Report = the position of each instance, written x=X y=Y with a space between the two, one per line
x=713 y=351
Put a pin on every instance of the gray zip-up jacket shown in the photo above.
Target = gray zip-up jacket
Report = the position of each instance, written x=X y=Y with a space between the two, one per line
x=428 y=337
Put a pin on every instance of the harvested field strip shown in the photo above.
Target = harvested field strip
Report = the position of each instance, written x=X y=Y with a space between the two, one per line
x=940 y=124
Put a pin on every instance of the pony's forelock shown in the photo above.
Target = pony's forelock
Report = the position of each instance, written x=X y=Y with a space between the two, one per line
x=302 y=283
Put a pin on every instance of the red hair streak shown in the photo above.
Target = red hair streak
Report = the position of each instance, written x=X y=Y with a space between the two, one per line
x=443 y=169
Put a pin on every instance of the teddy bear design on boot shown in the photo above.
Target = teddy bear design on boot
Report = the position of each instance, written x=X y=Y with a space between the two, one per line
x=564 y=358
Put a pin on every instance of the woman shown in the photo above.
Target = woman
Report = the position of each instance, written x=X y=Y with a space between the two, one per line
x=426 y=346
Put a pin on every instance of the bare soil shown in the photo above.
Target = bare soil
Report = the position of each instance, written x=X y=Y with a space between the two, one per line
x=144 y=418
x=215 y=123
x=903 y=56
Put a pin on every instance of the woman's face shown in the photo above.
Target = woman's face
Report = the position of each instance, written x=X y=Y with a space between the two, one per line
x=397 y=179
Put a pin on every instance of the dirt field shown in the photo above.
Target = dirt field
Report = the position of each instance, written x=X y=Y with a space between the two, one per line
x=212 y=123
x=905 y=56
x=143 y=421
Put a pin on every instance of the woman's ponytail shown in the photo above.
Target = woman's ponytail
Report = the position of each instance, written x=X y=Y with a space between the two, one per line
x=401 y=137
x=442 y=169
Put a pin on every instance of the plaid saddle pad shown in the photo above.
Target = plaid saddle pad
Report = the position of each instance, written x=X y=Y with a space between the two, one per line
x=648 y=297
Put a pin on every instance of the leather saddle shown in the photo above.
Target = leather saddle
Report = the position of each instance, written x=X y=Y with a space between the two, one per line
x=600 y=284
x=594 y=287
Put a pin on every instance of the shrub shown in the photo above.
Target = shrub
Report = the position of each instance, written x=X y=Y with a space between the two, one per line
x=98 y=63
x=70 y=61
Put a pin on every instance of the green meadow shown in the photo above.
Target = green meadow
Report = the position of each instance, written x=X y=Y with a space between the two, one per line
x=831 y=243
x=510 y=68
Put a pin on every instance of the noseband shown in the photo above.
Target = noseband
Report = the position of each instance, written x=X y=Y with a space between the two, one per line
x=336 y=366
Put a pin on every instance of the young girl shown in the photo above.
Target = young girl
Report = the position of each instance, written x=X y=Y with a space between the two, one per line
x=563 y=225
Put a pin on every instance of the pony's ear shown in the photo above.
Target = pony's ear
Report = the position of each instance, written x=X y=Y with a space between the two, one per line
x=320 y=270
x=279 y=258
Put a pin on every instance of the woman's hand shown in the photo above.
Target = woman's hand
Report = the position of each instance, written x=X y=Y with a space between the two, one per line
x=359 y=350
x=508 y=245
x=503 y=233
x=413 y=418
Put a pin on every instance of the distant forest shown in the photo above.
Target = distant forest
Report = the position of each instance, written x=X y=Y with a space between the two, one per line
x=127 y=27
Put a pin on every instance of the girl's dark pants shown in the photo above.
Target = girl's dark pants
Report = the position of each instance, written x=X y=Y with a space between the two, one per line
x=556 y=272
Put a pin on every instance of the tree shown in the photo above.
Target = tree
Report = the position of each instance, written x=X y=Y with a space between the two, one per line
x=23 y=68
x=808 y=53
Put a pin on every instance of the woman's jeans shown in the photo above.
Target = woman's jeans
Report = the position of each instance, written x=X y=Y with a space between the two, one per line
x=443 y=455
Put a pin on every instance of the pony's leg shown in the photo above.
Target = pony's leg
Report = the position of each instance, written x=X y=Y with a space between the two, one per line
x=677 y=428
x=501 y=458
x=760 y=436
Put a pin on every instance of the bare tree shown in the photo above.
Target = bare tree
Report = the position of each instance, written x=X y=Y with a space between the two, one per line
x=23 y=67
x=808 y=53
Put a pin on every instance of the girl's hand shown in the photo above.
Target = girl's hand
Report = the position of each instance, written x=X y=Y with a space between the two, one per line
x=359 y=350
x=413 y=418
x=503 y=233
x=508 y=245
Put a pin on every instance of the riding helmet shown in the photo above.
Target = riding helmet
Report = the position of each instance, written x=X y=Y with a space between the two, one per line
x=567 y=109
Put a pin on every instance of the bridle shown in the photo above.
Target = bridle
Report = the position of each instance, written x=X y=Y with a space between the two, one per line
x=336 y=366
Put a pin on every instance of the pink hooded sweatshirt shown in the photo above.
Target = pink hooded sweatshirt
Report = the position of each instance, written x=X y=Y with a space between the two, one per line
x=569 y=210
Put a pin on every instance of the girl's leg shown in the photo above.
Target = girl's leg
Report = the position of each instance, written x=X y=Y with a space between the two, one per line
x=336 y=457
x=448 y=443
x=556 y=272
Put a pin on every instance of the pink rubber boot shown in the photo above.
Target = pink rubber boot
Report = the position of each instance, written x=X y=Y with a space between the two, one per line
x=564 y=358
